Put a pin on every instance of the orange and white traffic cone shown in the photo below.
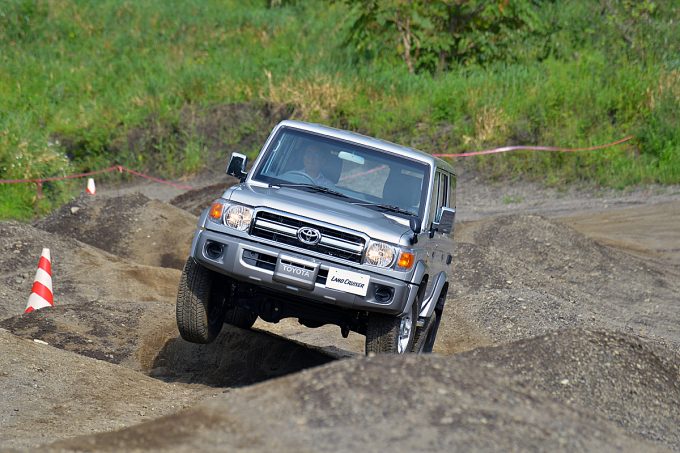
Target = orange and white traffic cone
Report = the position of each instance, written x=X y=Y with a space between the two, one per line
x=91 y=189
x=41 y=293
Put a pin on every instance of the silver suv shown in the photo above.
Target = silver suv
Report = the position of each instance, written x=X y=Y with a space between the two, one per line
x=328 y=226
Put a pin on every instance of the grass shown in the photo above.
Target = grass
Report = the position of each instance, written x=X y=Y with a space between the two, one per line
x=87 y=84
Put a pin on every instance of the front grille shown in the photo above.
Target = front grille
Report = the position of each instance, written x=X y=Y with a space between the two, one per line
x=261 y=260
x=336 y=243
x=322 y=276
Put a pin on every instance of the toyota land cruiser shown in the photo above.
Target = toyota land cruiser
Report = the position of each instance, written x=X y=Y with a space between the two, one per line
x=328 y=226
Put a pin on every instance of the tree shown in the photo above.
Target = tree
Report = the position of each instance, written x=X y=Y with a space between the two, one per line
x=431 y=35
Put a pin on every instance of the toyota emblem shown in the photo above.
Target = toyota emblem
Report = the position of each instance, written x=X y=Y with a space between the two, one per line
x=308 y=235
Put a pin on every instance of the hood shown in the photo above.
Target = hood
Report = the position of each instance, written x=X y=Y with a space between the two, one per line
x=320 y=207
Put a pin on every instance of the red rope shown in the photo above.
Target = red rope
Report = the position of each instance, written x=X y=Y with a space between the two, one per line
x=506 y=149
x=121 y=169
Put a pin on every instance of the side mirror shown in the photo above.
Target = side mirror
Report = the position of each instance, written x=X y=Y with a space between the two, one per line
x=415 y=225
x=237 y=166
x=446 y=221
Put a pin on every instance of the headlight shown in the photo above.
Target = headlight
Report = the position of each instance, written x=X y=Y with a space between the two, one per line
x=380 y=254
x=238 y=217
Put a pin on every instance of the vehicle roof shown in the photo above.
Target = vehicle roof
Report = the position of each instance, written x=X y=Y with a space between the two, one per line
x=368 y=141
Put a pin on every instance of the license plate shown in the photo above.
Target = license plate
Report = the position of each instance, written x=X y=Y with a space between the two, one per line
x=347 y=281
x=296 y=272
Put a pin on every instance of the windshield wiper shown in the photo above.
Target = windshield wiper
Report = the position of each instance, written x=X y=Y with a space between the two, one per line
x=313 y=187
x=386 y=207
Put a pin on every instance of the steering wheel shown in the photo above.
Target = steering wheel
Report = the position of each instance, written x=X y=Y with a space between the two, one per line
x=299 y=176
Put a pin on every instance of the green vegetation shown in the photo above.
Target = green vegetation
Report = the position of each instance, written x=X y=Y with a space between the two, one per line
x=165 y=86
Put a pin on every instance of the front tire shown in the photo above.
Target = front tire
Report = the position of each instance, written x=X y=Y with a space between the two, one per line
x=392 y=334
x=200 y=304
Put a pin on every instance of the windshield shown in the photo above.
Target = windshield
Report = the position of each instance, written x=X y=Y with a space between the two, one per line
x=366 y=176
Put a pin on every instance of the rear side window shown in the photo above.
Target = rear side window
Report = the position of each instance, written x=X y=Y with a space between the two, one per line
x=452 y=191
x=440 y=195
x=434 y=199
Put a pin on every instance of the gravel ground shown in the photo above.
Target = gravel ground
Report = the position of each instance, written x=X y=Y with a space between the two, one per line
x=135 y=227
x=632 y=382
x=80 y=273
x=524 y=275
x=607 y=382
x=435 y=403
x=52 y=394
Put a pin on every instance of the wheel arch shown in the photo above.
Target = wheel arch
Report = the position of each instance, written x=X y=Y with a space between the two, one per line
x=430 y=303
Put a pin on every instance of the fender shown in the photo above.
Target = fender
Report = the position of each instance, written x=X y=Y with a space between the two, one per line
x=418 y=273
x=199 y=229
x=430 y=302
x=416 y=279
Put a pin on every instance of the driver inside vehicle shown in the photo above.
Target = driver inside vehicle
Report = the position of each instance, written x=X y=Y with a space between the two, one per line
x=313 y=160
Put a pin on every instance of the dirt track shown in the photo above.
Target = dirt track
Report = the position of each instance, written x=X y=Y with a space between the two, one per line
x=578 y=310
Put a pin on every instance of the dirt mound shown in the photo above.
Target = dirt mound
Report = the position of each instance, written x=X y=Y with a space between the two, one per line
x=515 y=277
x=195 y=201
x=427 y=403
x=49 y=394
x=236 y=358
x=521 y=276
x=119 y=332
x=80 y=273
x=131 y=226
x=632 y=382
x=143 y=336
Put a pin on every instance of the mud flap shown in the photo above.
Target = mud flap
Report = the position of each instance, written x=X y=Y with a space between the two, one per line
x=422 y=334
x=427 y=334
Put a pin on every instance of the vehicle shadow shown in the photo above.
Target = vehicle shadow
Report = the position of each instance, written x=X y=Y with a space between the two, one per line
x=236 y=358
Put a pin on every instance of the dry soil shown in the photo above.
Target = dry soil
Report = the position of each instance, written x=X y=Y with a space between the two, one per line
x=561 y=332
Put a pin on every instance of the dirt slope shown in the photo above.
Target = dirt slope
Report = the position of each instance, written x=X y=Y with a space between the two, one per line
x=121 y=332
x=426 y=403
x=629 y=381
x=516 y=277
x=49 y=394
x=195 y=201
x=131 y=226
x=520 y=276
x=144 y=337
x=80 y=273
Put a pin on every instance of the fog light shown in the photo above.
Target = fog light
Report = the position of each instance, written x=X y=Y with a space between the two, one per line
x=383 y=294
x=214 y=250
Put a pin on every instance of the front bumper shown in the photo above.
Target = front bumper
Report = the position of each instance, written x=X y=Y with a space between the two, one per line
x=236 y=261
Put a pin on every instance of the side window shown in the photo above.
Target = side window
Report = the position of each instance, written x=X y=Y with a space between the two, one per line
x=442 y=194
x=452 y=191
x=434 y=198
x=444 y=198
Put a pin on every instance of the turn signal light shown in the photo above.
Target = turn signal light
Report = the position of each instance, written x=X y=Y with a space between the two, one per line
x=216 y=211
x=406 y=260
